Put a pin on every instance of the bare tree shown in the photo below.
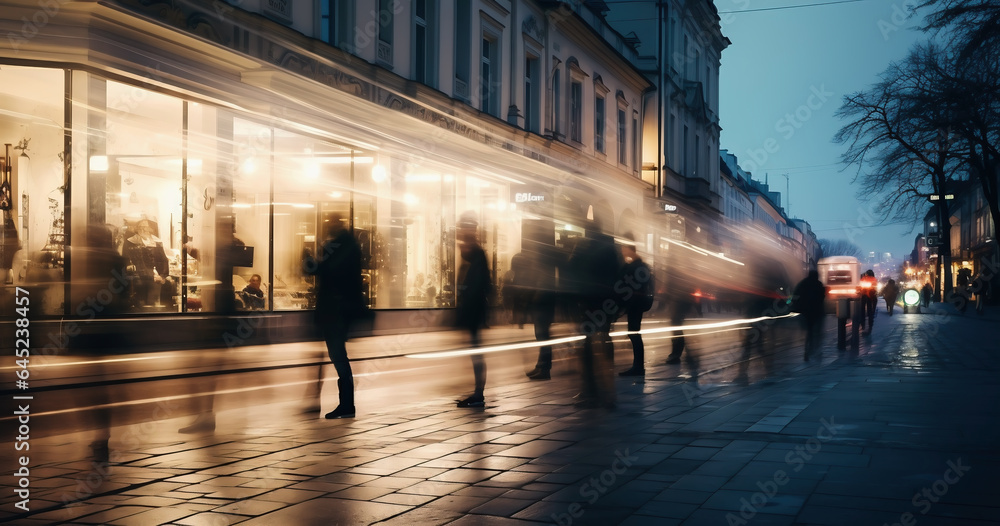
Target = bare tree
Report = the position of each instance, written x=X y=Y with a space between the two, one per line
x=839 y=247
x=970 y=84
x=900 y=136
x=969 y=24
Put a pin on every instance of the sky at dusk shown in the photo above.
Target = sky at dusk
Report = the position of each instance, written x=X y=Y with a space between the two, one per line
x=782 y=80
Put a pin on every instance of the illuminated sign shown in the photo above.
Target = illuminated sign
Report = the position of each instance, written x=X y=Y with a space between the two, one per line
x=528 y=197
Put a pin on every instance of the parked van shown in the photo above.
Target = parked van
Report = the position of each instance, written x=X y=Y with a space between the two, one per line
x=841 y=275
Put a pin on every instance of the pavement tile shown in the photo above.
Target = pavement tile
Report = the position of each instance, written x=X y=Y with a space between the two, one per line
x=468 y=476
x=210 y=519
x=500 y=506
x=289 y=496
x=422 y=516
x=533 y=449
x=329 y=510
x=429 y=487
x=523 y=494
x=250 y=508
x=405 y=499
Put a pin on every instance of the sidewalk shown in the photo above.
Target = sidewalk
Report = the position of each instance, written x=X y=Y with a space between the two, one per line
x=905 y=431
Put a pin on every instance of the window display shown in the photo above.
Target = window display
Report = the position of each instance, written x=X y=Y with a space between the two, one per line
x=212 y=210
x=32 y=240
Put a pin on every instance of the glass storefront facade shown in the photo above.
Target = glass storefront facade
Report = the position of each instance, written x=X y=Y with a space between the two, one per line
x=201 y=200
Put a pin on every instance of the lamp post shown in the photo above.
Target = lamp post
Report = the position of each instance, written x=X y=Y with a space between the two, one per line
x=940 y=200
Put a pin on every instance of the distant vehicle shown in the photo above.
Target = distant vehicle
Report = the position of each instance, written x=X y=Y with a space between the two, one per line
x=841 y=275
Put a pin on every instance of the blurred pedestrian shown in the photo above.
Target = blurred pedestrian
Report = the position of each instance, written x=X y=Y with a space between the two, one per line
x=474 y=289
x=926 y=292
x=889 y=293
x=636 y=289
x=807 y=300
x=541 y=290
x=516 y=294
x=964 y=278
x=766 y=296
x=869 y=299
x=339 y=302
x=594 y=269
x=102 y=290
x=681 y=302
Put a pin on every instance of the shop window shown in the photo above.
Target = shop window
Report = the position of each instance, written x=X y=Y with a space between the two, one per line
x=252 y=280
x=32 y=233
x=134 y=184
x=314 y=194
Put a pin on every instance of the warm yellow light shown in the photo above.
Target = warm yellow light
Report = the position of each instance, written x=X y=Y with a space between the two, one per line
x=99 y=163
x=378 y=173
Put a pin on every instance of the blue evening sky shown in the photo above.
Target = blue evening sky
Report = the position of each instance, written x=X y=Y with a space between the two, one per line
x=782 y=80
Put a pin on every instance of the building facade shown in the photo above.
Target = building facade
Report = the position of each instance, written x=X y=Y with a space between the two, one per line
x=238 y=133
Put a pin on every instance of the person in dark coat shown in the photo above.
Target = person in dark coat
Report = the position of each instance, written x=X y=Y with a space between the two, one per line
x=636 y=290
x=926 y=292
x=339 y=301
x=102 y=289
x=593 y=271
x=869 y=299
x=473 y=299
x=890 y=292
x=808 y=297
x=542 y=304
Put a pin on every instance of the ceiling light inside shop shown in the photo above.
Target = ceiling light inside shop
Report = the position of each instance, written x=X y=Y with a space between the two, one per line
x=312 y=170
x=378 y=173
x=249 y=166
x=99 y=163
x=411 y=199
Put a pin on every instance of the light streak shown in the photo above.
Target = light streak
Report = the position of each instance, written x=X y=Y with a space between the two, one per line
x=495 y=348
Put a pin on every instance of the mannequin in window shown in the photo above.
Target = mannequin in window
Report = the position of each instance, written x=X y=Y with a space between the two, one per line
x=148 y=263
